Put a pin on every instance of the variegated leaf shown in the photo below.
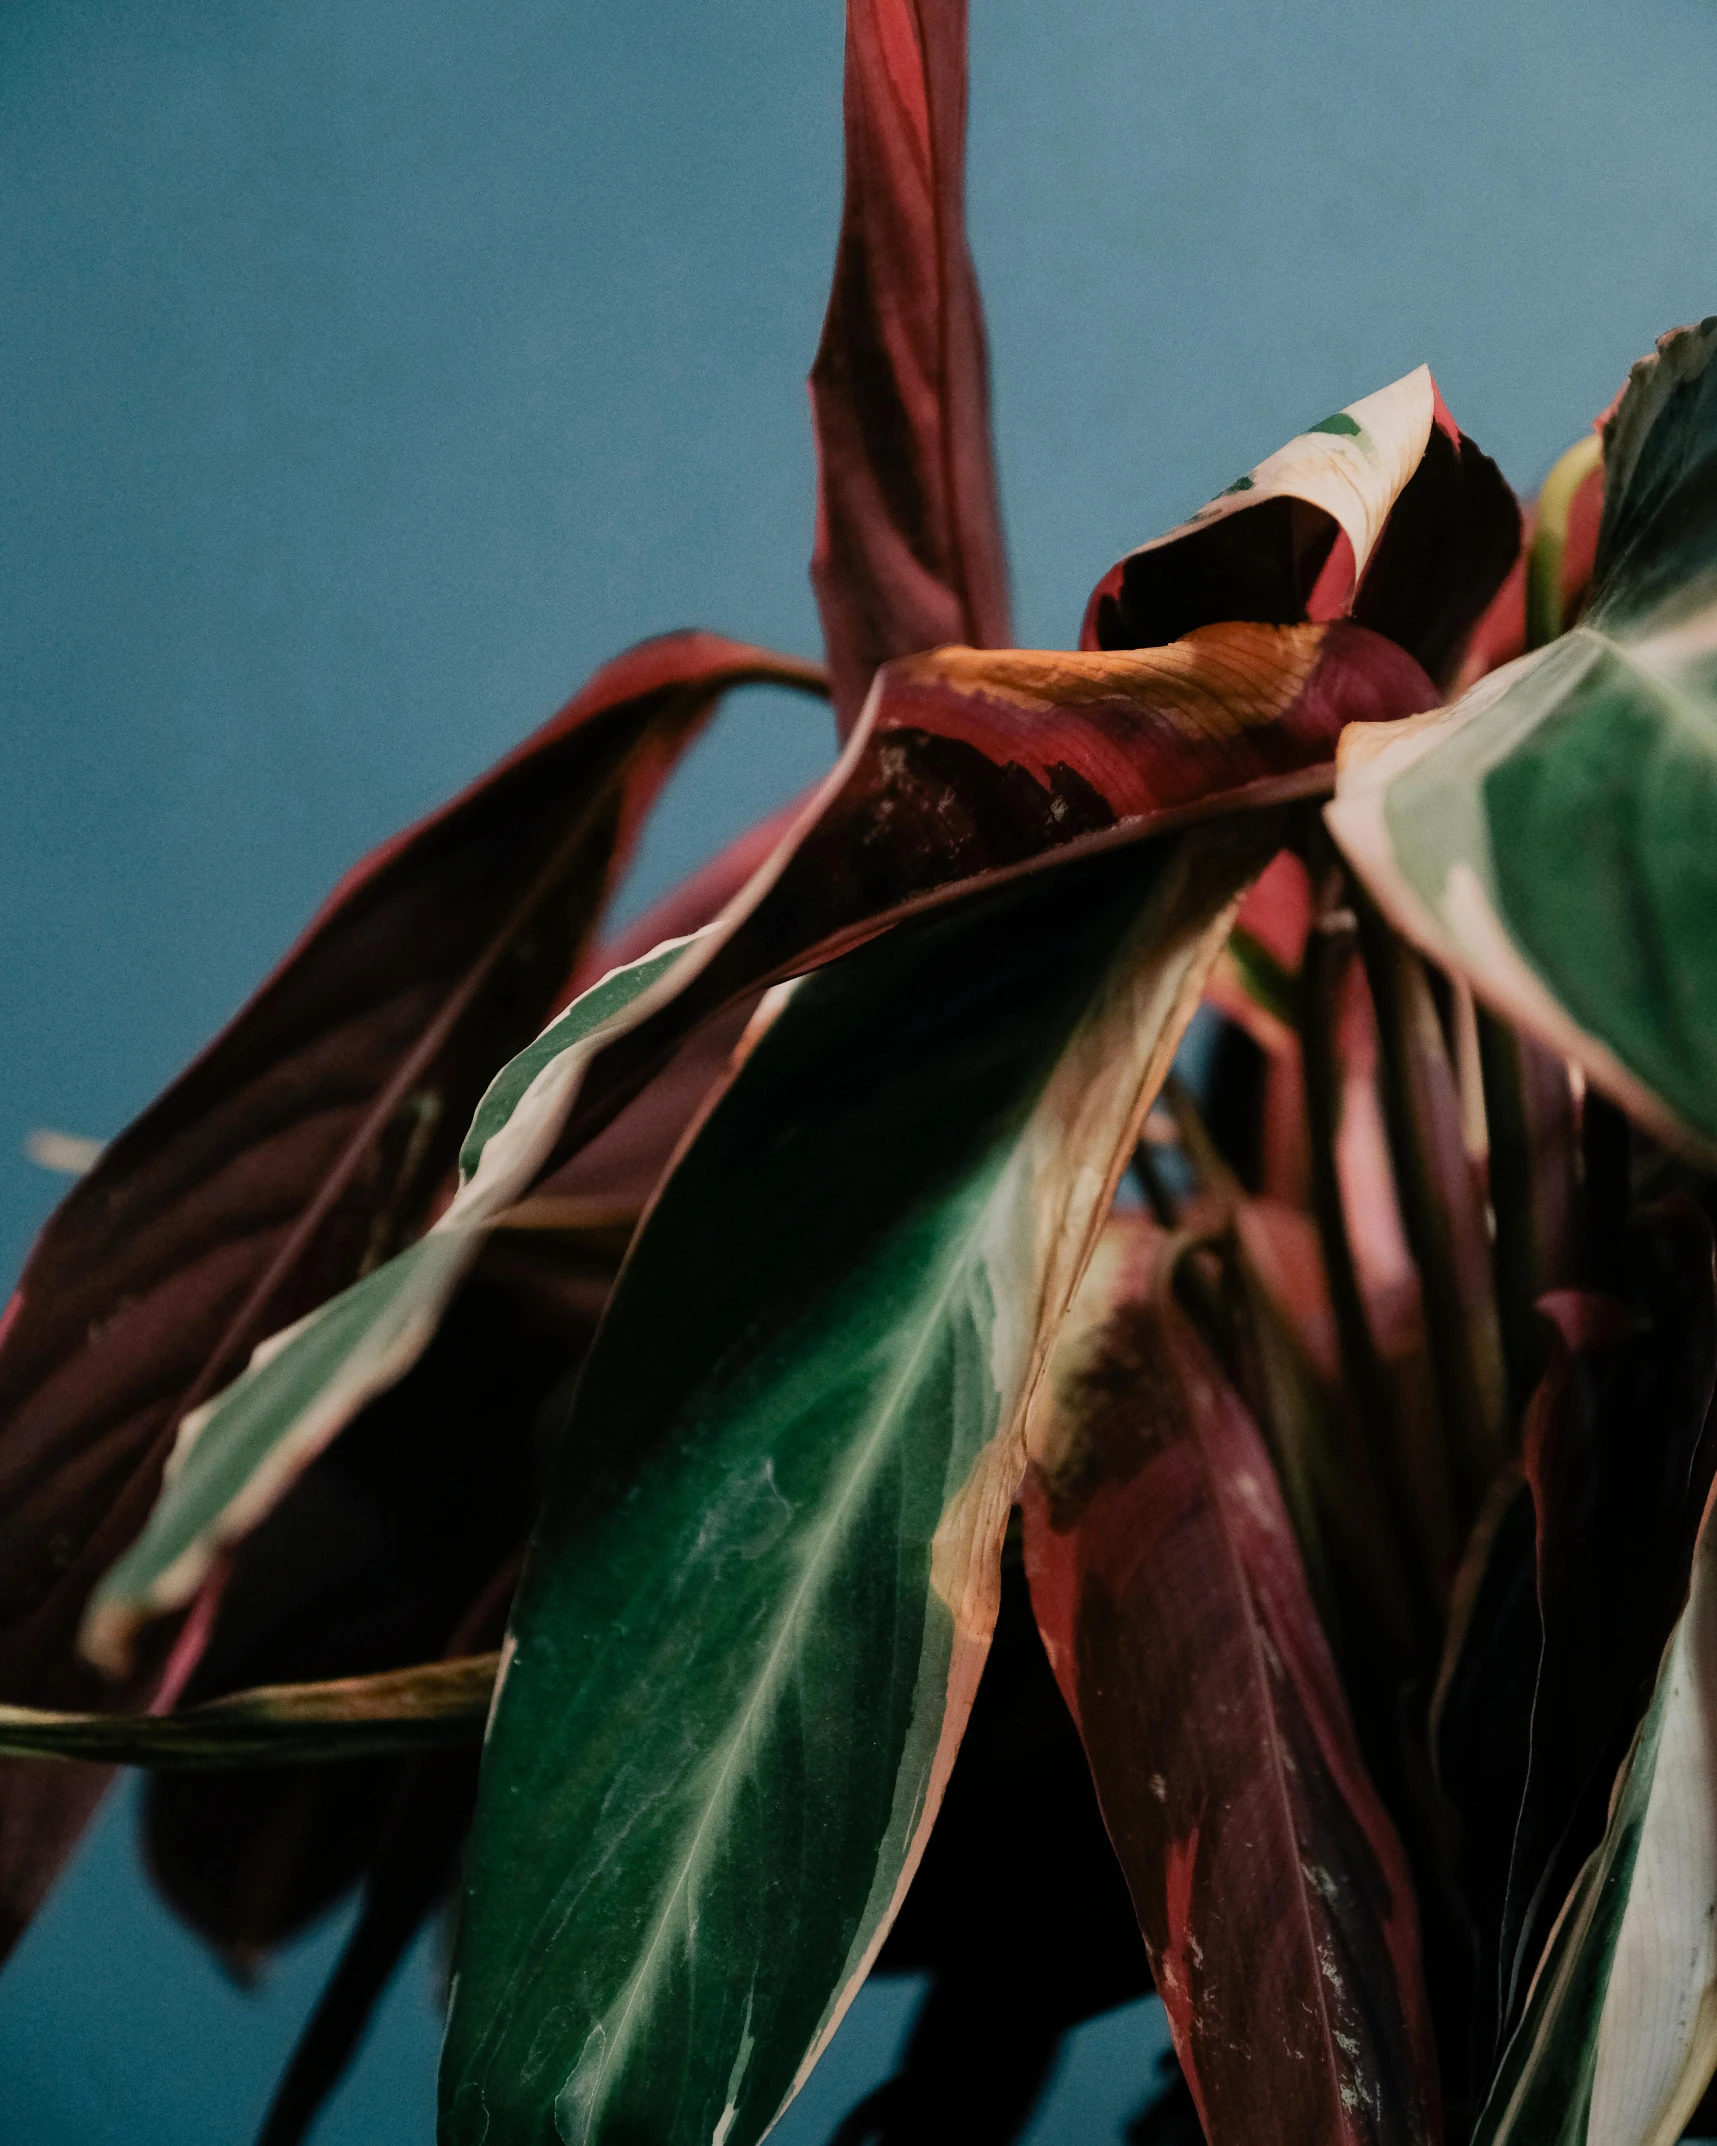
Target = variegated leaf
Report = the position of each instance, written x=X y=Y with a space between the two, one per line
x=1550 y=835
x=304 y=1146
x=966 y=765
x=1619 y=2036
x=235 y=1455
x=764 y=1585
x=1386 y=511
x=1619 y=1449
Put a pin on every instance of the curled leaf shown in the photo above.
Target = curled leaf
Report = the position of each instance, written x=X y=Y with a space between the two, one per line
x=283 y=1724
x=1386 y=512
x=1547 y=837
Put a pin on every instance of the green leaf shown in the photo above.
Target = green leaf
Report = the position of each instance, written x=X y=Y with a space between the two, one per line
x=1550 y=836
x=764 y=1584
x=397 y=1710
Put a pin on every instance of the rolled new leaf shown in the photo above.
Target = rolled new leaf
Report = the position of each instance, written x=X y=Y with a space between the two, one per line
x=1386 y=512
x=1268 y=1881
x=966 y=765
x=1550 y=836
x=909 y=551
x=303 y=1147
x=764 y=1583
x=398 y=1710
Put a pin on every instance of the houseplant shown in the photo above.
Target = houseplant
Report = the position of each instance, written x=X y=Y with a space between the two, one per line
x=1019 y=880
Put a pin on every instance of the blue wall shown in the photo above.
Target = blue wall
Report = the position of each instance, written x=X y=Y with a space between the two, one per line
x=370 y=371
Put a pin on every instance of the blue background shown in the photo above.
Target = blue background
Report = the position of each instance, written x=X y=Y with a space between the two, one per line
x=370 y=371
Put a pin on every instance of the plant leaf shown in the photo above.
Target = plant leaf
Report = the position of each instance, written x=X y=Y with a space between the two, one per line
x=1267 y=1879
x=966 y=765
x=1619 y=1450
x=1386 y=511
x=909 y=551
x=372 y=1561
x=1548 y=836
x=1533 y=1141
x=1015 y=1966
x=1619 y=2035
x=235 y=1456
x=967 y=762
x=766 y=1576
x=307 y=1142
x=283 y=1724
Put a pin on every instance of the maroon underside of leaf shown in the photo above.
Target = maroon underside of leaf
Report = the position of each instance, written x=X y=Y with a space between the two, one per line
x=909 y=551
x=1442 y=1208
x=1267 y=1879
x=1619 y=1452
x=305 y=1145
x=970 y=764
x=1447 y=548
x=319 y=1590
x=371 y=1562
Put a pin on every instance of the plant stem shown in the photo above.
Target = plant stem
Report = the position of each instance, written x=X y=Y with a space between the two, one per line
x=1441 y=1214
x=1376 y=1466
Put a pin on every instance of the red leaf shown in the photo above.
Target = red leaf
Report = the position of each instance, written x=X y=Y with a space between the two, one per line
x=1267 y=1879
x=308 y=1140
x=970 y=763
x=909 y=552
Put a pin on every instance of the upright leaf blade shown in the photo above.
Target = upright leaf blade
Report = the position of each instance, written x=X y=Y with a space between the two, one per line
x=909 y=551
x=765 y=1581
x=1267 y=1878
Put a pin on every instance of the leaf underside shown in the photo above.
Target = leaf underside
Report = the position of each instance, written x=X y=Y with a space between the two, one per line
x=1266 y=1876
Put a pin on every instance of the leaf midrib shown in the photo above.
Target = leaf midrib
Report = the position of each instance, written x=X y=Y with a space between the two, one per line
x=767 y=1681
